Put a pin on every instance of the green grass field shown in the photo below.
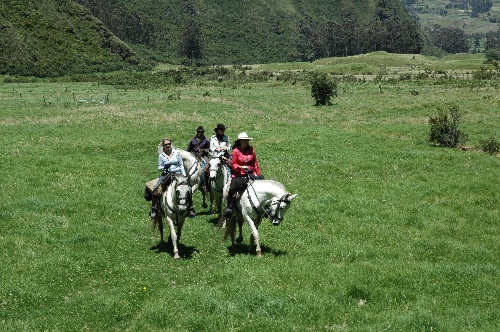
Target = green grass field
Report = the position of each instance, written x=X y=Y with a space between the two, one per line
x=388 y=233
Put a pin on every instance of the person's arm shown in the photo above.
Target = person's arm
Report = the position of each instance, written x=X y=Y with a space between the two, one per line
x=256 y=168
x=205 y=146
x=163 y=162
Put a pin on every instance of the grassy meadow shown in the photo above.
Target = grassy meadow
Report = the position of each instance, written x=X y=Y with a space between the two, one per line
x=388 y=233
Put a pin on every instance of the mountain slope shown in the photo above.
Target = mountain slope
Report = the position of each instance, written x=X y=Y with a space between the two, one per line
x=247 y=31
x=53 y=38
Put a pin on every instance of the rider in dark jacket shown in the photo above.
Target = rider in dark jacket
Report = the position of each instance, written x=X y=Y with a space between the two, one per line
x=200 y=145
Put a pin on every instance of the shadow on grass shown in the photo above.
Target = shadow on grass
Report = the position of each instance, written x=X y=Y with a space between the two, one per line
x=244 y=249
x=185 y=252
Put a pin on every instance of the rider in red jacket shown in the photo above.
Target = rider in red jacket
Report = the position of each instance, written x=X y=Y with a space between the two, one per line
x=244 y=162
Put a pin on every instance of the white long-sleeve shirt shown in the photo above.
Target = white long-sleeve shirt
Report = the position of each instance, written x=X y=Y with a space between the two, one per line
x=217 y=147
x=171 y=164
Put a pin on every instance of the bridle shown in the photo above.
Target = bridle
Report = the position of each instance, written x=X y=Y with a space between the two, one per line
x=179 y=200
x=219 y=173
x=266 y=210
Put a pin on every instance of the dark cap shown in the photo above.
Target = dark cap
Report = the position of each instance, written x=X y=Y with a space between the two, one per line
x=200 y=128
x=219 y=126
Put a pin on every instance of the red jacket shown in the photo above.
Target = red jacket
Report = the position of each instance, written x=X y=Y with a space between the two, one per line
x=244 y=158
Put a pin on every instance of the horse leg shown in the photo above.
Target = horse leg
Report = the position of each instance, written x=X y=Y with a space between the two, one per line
x=231 y=230
x=254 y=237
x=212 y=198
x=240 y=230
x=180 y=223
x=173 y=237
x=154 y=223
x=159 y=220
x=203 y=190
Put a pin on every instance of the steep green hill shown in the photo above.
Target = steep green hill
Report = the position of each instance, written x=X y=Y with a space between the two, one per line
x=261 y=31
x=51 y=38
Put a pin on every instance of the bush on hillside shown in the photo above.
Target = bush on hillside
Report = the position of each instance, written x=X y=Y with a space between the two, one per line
x=323 y=88
x=444 y=128
x=493 y=54
x=490 y=145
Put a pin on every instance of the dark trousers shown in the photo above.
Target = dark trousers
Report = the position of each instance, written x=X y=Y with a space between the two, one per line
x=238 y=184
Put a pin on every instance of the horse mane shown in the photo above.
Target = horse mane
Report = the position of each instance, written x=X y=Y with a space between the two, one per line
x=192 y=155
x=179 y=178
x=276 y=183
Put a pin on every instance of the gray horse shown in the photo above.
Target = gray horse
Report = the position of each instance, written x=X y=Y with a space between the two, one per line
x=262 y=198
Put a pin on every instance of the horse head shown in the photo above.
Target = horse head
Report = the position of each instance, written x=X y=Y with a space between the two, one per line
x=278 y=207
x=214 y=164
x=182 y=193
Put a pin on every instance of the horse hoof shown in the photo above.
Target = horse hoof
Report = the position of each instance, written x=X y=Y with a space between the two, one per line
x=239 y=240
x=204 y=206
x=176 y=256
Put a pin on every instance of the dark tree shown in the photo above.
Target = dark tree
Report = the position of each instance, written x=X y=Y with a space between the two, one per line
x=449 y=39
x=191 y=41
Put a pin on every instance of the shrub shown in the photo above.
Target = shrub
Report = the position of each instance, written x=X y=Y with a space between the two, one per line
x=490 y=145
x=493 y=54
x=444 y=128
x=323 y=88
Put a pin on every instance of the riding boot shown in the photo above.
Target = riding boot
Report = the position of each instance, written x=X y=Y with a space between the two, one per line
x=207 y=180
x=229 y=204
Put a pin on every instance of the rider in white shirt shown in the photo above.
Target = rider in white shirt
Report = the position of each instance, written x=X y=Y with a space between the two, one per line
x=219 y=143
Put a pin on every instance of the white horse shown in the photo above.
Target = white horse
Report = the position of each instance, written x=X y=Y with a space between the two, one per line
x=261 y=198
x=219 y=177
x=194 y=172
x=174 y=207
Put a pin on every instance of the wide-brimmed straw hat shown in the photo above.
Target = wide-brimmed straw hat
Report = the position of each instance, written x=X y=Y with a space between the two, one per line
x=243 y=136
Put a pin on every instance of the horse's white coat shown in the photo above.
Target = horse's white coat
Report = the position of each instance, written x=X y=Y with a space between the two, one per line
x=174 y=208
x=267 y=194
x=218 y=179
x=194 y=171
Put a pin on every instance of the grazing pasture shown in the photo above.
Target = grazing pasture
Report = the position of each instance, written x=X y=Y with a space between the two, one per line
x=387 y=233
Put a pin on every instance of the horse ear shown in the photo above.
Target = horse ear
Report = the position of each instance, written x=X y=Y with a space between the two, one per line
x=290 y=197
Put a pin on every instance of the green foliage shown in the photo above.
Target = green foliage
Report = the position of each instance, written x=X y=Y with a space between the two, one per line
x=444 y=128
x=490 y=145
x=51 y=38
x=323 y=88
x=493 y=54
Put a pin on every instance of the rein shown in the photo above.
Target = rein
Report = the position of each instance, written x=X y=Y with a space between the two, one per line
x=176 y=212
x=194 y=166
x=219 y=174
x=264 y=210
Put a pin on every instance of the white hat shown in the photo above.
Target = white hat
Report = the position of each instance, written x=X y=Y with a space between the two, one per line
x=243 y=135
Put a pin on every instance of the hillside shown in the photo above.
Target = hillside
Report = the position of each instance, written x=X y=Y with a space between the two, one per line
x=52 y=38
x=449 y=13
x=260 y=31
